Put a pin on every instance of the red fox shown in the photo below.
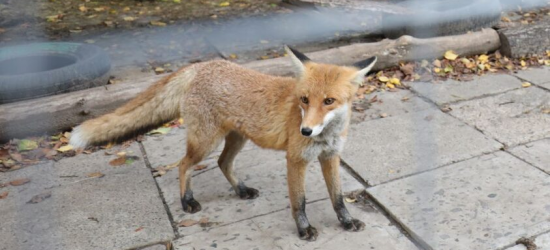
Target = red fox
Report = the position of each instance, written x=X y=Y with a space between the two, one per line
x=307 y=116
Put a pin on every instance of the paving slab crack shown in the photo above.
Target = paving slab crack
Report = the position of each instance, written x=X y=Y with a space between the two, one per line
x=161 y=194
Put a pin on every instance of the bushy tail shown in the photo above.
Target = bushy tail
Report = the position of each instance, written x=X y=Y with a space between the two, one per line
x=155 y=106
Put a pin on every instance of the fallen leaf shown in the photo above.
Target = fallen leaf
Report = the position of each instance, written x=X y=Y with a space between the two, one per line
x=139 y=229
x=437 y=70
x=200 y=167
x=17 y=157
x=187 y=223
x=95 y=175
x=203 y=220
x=83 y=8
x=233 y=56
x=526 y=84
x=350 y=200
x=483 y=58
x=40 y=197
x=159 y=70
x=450 y=55
x=99 y=9
x=4 y=153
x=177 y=1
x=389 y=85
x=161 y=131
x=523 y=64
x=129 y=18
x=546 y=111
x=395 y=81
x=65 y=148
x=20 y=182
x=405 y=98
x=158 y=23
x=224 y=4
x=118 y=161
x=130 y=160
x=437 y=63
x=26 y=145
x=383 y=79
x=4 y=195
x=383 y=115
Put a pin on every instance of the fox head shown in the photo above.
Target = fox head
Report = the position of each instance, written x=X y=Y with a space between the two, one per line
x=324 y=92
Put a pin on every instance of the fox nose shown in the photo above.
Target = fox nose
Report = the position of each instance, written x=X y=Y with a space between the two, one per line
x=306 y=131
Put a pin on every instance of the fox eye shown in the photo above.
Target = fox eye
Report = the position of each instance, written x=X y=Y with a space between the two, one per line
x=329 y=101
x=304 y=100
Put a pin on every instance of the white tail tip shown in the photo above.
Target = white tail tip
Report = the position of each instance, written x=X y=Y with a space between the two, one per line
x=77 y=138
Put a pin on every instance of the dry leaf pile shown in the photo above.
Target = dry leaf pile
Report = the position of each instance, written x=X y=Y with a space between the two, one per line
x=452 y=66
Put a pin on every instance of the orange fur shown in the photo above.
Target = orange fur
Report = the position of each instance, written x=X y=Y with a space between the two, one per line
x=219 y=99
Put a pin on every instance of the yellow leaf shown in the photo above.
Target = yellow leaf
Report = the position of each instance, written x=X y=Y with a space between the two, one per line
x=526 y=84
x=177 y=1
x=523 y=64
x=547 y=62
x=180 y=121
x=389 y=85
x=224 y=4
x=548 y=53
x=157 y=23
x=450 y=55
x=505 y=19
x=383 y=79
x=350 y=200
x=83 y=8
x=65 y=148
x=481 y=66
x=483 y=58
x=129 y=18
x=437 y=70
x=465 y=61
x=395 y=81
x=233 y=56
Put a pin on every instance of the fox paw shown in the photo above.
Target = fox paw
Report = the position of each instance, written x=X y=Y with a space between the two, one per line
x=191 y=205
x=247 y=193
x=354 y=225
x=309 y=233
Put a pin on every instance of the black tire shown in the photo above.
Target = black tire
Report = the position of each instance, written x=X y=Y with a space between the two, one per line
x=43 y=69
x=441 y=18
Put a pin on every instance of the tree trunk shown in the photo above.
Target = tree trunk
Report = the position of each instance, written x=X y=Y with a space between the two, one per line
x=525 y=40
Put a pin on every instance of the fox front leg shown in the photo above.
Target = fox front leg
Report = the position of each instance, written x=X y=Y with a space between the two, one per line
x=296 y=172
x=330 y=166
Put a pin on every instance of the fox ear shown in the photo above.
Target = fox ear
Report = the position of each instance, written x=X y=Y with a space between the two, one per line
x=365 y=66
x=298 y=59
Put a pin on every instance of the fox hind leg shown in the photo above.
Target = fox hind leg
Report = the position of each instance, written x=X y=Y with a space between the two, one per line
x=234 y=142
x=199 y=145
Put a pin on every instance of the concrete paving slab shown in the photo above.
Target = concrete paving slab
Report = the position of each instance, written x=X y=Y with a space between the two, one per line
x=170 y=148
x=512 y=118
x=536 y=153
x=539 y=76
x=390 y=148
x=453 y=91
x=278 y=231
x=118 y=211
x=262 y=169
x=487 y=202
x=390 y=104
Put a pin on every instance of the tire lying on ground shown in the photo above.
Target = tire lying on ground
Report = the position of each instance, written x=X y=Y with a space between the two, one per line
x=43 y=69
x=441 y=18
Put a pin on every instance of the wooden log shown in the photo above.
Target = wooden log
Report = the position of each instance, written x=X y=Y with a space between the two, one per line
x=61 y=112
x=525 y=40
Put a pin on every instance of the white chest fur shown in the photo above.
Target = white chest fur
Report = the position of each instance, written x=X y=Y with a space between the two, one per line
x=329 y=141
